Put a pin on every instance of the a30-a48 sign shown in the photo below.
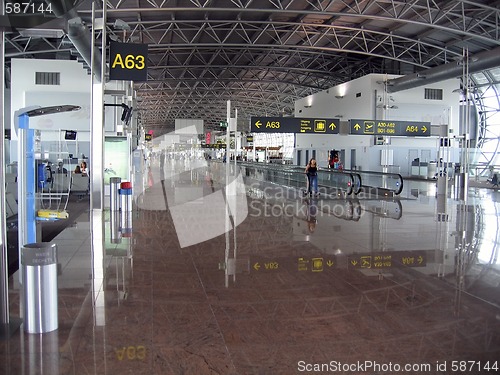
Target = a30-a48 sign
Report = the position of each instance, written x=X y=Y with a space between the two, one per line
x=390 y=128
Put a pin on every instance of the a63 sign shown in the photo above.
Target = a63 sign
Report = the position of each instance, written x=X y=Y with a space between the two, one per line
x=128 y=61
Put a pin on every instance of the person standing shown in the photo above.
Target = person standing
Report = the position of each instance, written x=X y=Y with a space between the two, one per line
x=331 y=159
x=312 y=177
x=162 y=165
x=83 y=168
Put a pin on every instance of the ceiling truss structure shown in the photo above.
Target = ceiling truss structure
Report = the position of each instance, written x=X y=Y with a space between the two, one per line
x=263 y=55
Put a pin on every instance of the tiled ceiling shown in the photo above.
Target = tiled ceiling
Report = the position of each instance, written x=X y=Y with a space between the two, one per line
x=265 y=54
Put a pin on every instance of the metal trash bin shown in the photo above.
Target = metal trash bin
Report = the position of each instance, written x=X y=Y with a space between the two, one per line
x=126 y=196
x=432 y=169
x=39 y=267
x=114 y=198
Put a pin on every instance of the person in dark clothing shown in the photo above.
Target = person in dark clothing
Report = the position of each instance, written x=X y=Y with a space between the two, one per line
x=60 y=168
x=312 y=177
x=494 y=180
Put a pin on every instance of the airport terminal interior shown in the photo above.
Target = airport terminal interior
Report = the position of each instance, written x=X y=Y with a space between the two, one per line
x=162 y=214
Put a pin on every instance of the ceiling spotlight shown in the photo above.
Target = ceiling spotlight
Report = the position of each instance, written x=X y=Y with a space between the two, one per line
x=339 y=96
x=307 y=106
x=121 y=25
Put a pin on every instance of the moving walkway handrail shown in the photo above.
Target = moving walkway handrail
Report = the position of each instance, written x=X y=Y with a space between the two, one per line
x=397 y=189
x=360 y=180
x=354 y=176
x=351 y=181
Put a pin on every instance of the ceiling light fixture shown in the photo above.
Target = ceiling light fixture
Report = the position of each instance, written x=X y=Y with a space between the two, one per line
x=42 y=33
x=385 y=106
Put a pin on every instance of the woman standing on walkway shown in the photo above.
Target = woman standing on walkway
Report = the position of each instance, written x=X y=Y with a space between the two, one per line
x=312 y=177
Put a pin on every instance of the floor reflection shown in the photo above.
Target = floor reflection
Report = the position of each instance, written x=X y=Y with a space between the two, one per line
x=283 y=284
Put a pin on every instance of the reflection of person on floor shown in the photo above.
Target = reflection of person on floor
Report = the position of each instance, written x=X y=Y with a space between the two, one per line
x=151 y=181
x=77 y=170
x=312 y=212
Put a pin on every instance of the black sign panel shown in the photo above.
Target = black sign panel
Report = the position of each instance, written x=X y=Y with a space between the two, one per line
x=128 y=61
x=148 y=137
x=294 y=125
x=215 y=146
x=390 y=128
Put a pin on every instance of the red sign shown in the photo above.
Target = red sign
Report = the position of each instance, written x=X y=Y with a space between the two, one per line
x=208 y=136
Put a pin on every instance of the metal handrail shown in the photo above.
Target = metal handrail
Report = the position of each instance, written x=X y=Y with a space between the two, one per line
x=396 y=187
x=290 y=175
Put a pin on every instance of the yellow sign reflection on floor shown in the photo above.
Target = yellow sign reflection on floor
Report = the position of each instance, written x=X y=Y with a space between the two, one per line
x=317 y=264
x=388 y=259
x=314 y=264
x=268 y=266
x=303 y=264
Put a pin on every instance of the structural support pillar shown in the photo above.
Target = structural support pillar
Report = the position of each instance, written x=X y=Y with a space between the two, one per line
x=7 y=325
x=97 y=111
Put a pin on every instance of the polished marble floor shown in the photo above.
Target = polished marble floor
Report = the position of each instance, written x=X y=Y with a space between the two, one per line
x=214 y=272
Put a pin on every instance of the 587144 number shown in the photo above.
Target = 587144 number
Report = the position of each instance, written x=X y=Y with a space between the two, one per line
x=469 y=366
x=26 y=8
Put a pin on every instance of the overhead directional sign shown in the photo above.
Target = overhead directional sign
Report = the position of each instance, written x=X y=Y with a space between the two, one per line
x=390 y=128
x=294 y=125
x=128 y=61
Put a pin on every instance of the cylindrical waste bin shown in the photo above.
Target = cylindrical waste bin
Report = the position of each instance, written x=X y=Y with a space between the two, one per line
x=432 y=169
x=114 y=198
x=126 y=194
x=39 y=267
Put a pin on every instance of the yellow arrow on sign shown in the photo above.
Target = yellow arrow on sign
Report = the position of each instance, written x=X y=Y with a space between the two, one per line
x=258 y=124
x=329 y=263
x=354 y=262
x=332 y=126
x=420 y=259
x=357 y=126
x=256 y=266
x=424 y=128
